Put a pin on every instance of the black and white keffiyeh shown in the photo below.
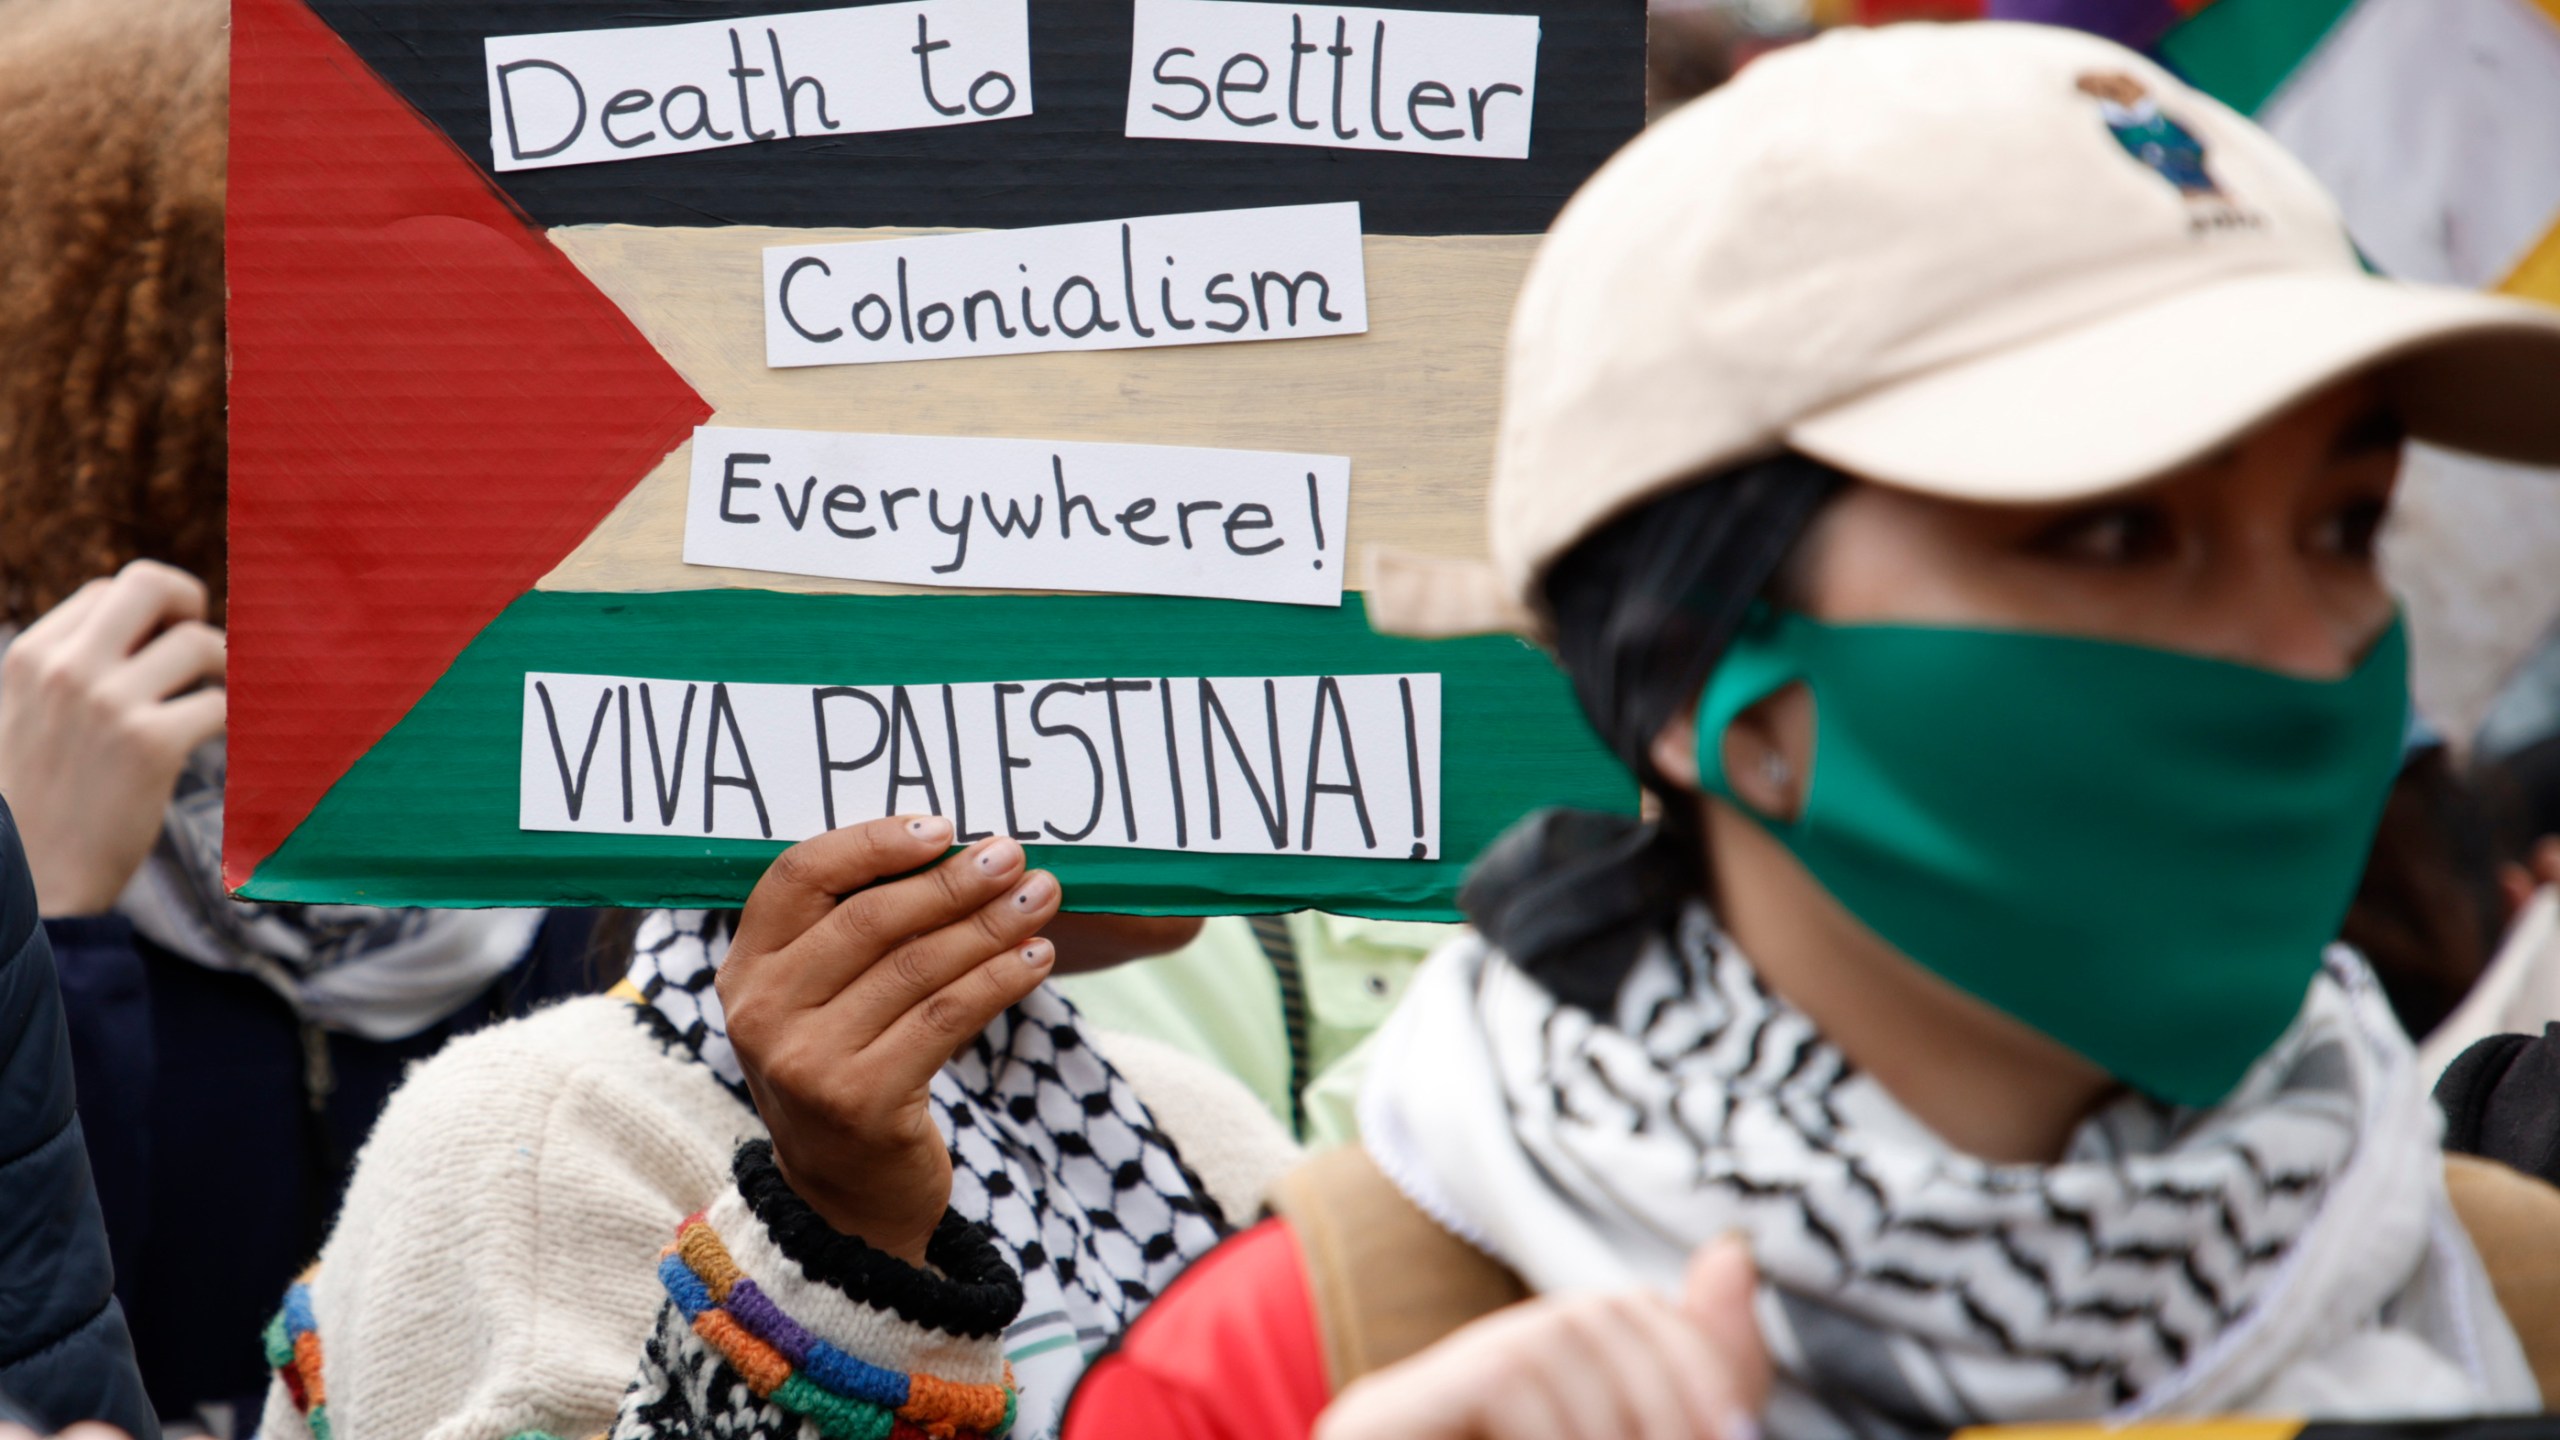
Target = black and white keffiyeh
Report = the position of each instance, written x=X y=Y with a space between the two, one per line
x=1051 y=1151
x=2173 y=1261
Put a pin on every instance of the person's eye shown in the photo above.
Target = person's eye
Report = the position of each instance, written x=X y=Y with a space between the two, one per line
x=2121 y=534
x=2353 y=530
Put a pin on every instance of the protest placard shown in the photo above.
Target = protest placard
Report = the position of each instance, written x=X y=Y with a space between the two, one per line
x=480 y=396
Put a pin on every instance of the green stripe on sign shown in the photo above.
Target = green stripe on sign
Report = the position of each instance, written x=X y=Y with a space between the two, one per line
x=2240 y=52
x=428 y=816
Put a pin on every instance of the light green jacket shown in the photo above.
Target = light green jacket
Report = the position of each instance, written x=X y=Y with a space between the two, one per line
x=1220 y=998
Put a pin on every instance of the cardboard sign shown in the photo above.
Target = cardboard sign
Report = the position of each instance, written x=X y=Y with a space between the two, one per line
x=581 y=97
x=1420 y=81
x=477 y=396
x=1277 y=274
x=1343 y=765
x=1021 y=514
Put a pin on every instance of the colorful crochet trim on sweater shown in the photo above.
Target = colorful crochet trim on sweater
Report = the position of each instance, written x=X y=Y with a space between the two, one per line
x=847 y=1397
x=293 y=1348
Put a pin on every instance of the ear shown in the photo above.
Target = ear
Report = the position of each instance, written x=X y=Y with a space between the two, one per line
x=1767 y=753
x=1675 y=750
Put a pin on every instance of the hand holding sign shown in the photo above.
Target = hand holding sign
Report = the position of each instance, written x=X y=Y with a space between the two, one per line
x=844 y=995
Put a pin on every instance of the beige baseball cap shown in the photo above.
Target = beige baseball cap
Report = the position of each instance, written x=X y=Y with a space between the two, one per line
x=1994 y=262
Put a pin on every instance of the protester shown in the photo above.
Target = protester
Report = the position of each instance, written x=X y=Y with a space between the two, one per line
x=2523 y=796
x=1947 y=462
x=230 y=1057
x=835 y=1157
x=64 y=1354
x=2497 y=1056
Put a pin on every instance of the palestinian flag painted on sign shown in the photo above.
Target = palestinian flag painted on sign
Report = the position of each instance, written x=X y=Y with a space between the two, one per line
x=464 y=399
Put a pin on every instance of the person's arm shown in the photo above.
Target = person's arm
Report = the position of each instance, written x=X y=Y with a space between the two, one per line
x=106 y=1009
x=494 y=1207
x=774 y=1317
x=64 y=1350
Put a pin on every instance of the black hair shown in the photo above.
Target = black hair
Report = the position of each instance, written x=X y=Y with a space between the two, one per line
x=1642 y=610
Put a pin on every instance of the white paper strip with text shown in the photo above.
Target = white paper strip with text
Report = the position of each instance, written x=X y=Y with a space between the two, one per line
x=1345 y=765
x=1427 y=82
x=1281 y=273
x=1020 y=514
x=576 y=97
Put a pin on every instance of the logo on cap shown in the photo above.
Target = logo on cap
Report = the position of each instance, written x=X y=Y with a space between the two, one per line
x=2147 y=134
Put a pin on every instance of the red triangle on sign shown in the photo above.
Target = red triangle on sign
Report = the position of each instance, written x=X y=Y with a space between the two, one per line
x=430 y=407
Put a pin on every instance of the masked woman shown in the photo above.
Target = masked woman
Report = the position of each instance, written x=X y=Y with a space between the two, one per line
x=1956 y=503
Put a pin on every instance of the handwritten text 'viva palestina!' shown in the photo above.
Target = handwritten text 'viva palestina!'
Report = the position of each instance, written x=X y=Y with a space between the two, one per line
x=1345 y=765
x=1020 y=514
x=1430 y=82
x=1276 y=273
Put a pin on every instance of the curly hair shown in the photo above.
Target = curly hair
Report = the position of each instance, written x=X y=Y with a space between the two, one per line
x=112 y=441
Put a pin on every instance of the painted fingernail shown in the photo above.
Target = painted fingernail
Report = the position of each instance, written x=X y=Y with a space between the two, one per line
x=998 y=855
x=1036 y=954
x=1033 y=891
x=1738 y=1425
x=930 y=827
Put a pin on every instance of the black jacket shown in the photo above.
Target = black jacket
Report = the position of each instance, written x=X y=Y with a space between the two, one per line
x=2501 y=1101
x=221 y=1131
x=64 y=1353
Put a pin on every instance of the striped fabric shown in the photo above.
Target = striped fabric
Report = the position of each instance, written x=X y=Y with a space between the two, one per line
x=293 y=1350
x=848 y=1398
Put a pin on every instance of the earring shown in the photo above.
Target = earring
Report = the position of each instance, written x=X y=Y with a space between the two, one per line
x=1775 y=769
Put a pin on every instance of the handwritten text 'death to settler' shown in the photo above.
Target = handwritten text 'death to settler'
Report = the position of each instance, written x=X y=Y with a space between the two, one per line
x=1278 y=273
x=577 y=97
x=1344 y=765
x=1020 y=514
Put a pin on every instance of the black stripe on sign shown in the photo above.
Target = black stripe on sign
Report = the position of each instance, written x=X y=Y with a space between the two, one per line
x=1066 y=162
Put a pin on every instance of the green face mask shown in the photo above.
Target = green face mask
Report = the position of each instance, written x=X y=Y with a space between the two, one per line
x=2139 y=853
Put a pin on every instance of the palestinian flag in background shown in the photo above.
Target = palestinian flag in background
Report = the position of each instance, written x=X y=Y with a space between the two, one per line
x=2436 y=123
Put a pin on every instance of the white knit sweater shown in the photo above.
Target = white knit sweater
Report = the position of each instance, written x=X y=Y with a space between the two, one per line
x=495 y=1268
